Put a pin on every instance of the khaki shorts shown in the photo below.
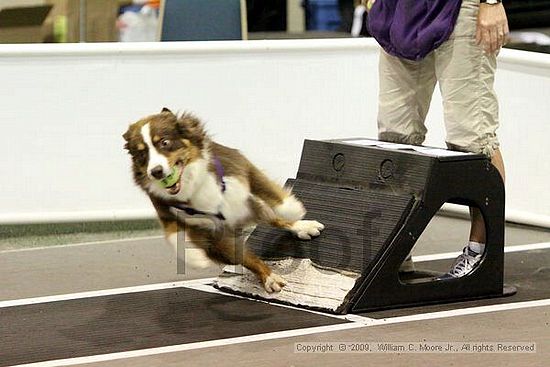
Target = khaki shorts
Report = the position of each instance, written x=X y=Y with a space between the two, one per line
x=465 y=75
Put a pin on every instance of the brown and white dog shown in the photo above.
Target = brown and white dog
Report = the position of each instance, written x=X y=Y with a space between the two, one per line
x=218 y=183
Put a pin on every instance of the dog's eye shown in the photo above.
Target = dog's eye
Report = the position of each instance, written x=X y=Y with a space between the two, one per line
x=165 y=143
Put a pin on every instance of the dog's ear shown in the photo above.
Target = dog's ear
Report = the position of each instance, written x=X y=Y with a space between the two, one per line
x=166 y=109
x=127 y=136
x=192 y=129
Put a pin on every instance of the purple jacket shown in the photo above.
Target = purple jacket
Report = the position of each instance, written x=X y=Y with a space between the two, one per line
x=411 y=29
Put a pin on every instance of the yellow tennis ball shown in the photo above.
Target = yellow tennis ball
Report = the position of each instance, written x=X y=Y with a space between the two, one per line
x=171 y=179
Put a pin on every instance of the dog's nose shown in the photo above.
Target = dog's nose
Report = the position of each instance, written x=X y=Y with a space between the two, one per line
x=157 y=172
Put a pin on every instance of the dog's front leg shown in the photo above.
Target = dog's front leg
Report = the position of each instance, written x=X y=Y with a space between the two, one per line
x=303 y=229
x=229 y=248
x=176 y=234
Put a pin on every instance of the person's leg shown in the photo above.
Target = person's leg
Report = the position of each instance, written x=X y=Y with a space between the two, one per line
x=405 y=92
x=477 y=230
x=466 y=77
x=406 y=89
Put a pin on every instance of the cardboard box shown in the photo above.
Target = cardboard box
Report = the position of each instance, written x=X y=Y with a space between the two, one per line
x=23 y=24
x=99 y=19
x=69 y=10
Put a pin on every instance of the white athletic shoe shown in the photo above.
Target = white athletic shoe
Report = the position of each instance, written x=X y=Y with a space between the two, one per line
x=464 y=264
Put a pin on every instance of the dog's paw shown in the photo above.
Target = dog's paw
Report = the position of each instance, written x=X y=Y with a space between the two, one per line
x=306 y=229
x=274 y=283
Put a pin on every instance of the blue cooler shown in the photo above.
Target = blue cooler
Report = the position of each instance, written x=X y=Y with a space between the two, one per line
x=322 y=15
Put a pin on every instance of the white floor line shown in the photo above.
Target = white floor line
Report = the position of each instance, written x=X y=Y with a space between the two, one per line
x=103 y=292
x=194 y=346
x=433 y=257
x=465 y=311
x=419 y=258
x=158 y=286
x=507 y=249
x=529 y=247
x=286 y=334
x=103 y=242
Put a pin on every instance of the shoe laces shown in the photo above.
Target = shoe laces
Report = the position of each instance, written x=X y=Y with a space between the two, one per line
x=463 y=263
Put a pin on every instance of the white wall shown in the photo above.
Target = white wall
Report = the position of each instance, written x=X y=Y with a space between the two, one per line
x=523 y=87
x=65 y=107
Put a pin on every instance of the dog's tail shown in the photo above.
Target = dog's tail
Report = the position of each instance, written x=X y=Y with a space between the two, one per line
x=281 y=201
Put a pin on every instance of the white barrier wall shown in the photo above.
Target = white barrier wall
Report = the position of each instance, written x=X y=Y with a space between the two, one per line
x=65 y=107
x=523 y=87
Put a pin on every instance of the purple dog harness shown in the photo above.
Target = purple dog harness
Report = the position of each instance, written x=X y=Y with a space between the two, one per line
x=220 y=172
x=411 y=29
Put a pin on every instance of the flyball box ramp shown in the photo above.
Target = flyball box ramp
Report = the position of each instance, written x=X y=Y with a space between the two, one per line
x=375 y=199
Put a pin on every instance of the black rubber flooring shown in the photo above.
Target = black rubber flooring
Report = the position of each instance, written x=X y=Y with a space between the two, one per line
x=528 y=271
x=126 y=322
x=118 y=323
